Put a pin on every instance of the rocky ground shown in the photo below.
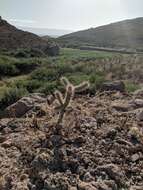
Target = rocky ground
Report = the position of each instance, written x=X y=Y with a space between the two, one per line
x=100 y=148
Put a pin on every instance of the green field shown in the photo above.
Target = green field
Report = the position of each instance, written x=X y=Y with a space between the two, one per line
x=20 y=76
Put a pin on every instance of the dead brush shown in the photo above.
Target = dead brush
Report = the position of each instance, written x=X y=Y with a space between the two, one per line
x=64 y=100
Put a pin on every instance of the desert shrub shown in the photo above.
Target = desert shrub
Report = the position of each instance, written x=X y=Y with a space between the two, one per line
x=20 y=83
x=96 y=80
x=27 y=53
x=78 y=78
x=131 y=87
x=45 y=74
x=49 y=87
x=11 y=95
x=21 y=54
x=8 y=69
x=25 y=66
x=33 y=85
x=63 y=68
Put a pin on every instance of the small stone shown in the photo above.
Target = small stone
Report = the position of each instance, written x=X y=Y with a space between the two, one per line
x=72 y=188
x=113 y=171
x=140 y=115
x=86 y=186
x=135 y=157
x=136 y=188
x=121 y=106
x=6 y=144
x=79 y=140
x=111 y=134
x=87 y=177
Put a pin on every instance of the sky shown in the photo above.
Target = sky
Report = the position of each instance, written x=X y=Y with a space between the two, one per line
x=69 y=14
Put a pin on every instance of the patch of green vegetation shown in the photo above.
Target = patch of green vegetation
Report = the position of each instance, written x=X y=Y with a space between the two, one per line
x=20 y=76
x=132 y=87
x=11 y=95
x=83 y=55
x=10 y=66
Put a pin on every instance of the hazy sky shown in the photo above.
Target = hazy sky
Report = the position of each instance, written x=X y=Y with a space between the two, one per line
x=69 y=14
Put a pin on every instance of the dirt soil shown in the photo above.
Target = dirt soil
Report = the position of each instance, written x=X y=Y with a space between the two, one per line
x=96 y=150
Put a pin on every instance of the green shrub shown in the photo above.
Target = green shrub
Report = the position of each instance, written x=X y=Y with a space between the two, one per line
x=26 y=65
x=131 y=87
x=63 y=68
x=45 y=74
x=49 y=88
x=96 y=80
x=8 y=69
x=33 y=85
x=77 y=78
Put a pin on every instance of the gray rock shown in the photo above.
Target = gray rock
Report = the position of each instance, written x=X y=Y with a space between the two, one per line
x=85 y=186
x=136 y=188
x=113 y=171
x=138 y=93
x=52 y=50
x=137 y=103
x=22 y=106
x=135 y=157
x=113 y=86
x=139 y=115
x=121 y=106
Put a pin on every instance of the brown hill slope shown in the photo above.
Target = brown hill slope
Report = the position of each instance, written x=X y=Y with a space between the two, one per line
x=124 y=34
x=12 y=38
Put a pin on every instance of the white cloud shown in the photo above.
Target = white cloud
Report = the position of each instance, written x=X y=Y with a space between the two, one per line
x=22 y=21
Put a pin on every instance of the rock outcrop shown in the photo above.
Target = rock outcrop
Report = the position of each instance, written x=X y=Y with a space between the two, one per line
x=24 y=105
x=111 y=86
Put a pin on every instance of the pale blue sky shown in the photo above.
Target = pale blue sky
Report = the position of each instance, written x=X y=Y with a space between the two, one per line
x=69 y=14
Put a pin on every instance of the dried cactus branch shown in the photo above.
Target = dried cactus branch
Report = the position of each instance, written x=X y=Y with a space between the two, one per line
x=69 y=94
x=59 y=97
x=64 y=81
x=81 y=87
x=68 y=97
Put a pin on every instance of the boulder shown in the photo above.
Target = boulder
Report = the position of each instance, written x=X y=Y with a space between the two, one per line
x=114 y=172
x=138 y=93
x=139 y=115
x=137 y=103
x=85 y=186
x=22 y=106
x=121 y=107
x=136 y=188
x=52 y=50
x=113 y=86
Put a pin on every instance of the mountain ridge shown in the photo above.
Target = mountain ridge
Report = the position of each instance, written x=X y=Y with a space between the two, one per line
x=12 y=38
x=52 y=32
x=123 y=34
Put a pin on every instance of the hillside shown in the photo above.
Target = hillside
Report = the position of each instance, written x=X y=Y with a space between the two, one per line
x=12 y=38
x=124 y=34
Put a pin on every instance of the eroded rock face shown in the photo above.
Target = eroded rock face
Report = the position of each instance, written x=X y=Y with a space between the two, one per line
x=113 y=86
x=25 y=104
x=52 y=50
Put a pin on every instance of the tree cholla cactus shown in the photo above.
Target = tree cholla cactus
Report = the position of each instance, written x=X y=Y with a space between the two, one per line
x=64 y=101
x=135 y=132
